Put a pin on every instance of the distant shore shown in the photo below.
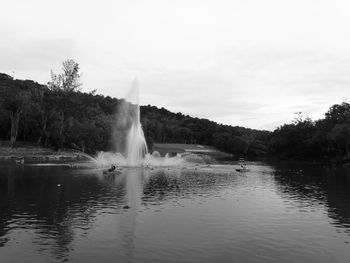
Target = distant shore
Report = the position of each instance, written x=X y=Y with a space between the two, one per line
x=35 y=154
x=29 y=154
x=174 y=148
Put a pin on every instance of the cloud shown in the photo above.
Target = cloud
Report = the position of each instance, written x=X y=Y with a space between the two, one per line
x=251 y=86
x=33 y=57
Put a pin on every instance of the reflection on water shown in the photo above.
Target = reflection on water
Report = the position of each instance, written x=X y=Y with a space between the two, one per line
x=322 y=186
x=273 y=213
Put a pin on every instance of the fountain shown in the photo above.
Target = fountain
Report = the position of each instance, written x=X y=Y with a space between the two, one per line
x=129 y=138
x=129 y=143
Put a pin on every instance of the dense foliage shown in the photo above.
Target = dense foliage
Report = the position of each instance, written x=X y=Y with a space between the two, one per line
x=327 y=138
x=54 y=117
x=161 y=125
x=60 y=115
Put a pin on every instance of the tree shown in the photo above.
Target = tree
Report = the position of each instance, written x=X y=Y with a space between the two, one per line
x=64 y=85
x=300 y=118
x=338 y=113
x=341 y=135
x=13 y=100
x=69 y=80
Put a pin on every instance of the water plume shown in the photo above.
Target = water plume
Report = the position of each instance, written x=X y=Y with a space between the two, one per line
x=128 y=136
x=129 y=143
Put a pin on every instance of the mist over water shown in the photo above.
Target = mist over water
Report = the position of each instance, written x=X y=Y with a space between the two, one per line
x=128 y=138
x=136 y=147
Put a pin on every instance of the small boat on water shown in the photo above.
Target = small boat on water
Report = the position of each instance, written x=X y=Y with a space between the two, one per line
x=242 y=166
x=112 y=170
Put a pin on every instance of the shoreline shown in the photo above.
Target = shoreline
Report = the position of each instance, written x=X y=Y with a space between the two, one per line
x=38 y=154
x=33 y=154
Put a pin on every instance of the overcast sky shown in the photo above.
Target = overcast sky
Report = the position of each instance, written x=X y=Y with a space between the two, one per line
x=251 y=63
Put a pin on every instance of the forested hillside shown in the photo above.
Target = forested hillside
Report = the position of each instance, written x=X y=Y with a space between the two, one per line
x=60 y=115
x=161 y=125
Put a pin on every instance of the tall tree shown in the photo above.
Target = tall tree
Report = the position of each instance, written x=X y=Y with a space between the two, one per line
x=69 y=79
x=338 y=113
x=64 y=85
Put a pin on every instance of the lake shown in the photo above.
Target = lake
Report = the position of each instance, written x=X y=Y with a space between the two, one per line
x=273 y=213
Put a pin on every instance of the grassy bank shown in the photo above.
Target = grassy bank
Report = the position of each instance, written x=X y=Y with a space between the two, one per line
x=37 y=154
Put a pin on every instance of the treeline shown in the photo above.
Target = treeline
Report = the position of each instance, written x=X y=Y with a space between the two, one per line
x=30 y=112
x=59 y=115
x=54 y=117
x=161 y=125
x=303 y=139
x=327 y=138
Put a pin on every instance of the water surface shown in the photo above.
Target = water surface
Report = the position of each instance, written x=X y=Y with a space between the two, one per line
x=273 y=213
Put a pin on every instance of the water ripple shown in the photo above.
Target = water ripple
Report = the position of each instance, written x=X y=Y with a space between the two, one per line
x=274 y=213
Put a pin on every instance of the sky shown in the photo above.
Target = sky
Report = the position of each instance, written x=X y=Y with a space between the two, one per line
x=250 y=63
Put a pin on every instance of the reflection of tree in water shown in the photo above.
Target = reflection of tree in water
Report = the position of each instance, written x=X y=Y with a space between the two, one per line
x=6 y=198
x=301 y=184
x=53 y=203
x=314 y=185
x=166 y=183
x=338 y=196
